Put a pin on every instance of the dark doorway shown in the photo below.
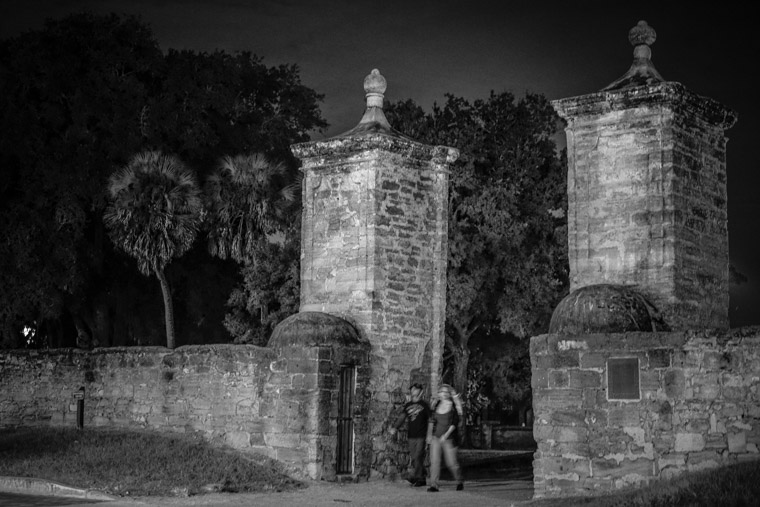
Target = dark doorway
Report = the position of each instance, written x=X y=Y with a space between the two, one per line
x=345 y=461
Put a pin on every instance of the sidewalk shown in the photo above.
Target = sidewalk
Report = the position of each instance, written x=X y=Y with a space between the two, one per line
x=485 y=493
x=485 y=486
x=371 y=494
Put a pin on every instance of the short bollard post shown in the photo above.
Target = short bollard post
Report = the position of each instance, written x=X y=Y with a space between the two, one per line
x=79 y=395
x=487 y=432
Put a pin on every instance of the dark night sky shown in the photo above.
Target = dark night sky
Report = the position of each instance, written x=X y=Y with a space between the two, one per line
x=469 y=47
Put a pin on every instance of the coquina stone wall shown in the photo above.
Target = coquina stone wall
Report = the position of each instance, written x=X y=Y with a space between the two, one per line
x=274 y=401
x=647 y=203
x=374 y=252
x=646 y=189
x=373 y=295
x=699 y=407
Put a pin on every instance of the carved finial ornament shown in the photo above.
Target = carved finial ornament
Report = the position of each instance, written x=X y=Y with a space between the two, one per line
x=642 y=71
x=641 y=37
x=374 y=87
x=374 y=120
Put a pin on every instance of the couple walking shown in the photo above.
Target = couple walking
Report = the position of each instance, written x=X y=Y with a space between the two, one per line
x=436 y=427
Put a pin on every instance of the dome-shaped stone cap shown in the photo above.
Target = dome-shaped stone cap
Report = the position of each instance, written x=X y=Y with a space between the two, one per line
x=605 y=308
x=311 y=329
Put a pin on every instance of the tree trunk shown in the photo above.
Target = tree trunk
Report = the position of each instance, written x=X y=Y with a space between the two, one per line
x=168 y=307
x=459 y=375
x=102 y=324
x=461 y=362
x=84 y=333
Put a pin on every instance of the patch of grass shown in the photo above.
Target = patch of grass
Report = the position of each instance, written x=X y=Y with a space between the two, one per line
x=136 y=463
x=735 y=485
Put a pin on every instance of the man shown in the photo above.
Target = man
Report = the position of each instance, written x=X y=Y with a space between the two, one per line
x=417 y=414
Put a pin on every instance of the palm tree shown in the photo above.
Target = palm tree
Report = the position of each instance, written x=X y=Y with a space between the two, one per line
x=154 y=215
x=244 y=204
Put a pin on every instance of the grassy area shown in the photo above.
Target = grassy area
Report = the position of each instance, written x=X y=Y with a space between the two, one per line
x=135 y=463
x=732 y=486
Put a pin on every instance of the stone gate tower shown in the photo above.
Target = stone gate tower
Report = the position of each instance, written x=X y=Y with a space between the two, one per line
x=374 y=251
x=647 y=191
x=619 y=399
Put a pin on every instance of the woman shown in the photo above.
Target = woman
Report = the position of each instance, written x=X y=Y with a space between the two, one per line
x=442 y=436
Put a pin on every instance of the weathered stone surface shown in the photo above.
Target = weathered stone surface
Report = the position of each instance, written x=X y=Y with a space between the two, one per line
x=604 y=308
x=737 y=442
x=686 y=442
x=312 y=329
x=374 y=252
x=250 y=398
x=699 y=412
x=674 y=383
x=647 y=197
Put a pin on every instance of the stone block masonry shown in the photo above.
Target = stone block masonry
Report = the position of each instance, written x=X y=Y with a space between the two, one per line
x=374 y=252
x=373 y=297
x=698 y=407
x=647 y=203
x=648 y=251
x=253 y=399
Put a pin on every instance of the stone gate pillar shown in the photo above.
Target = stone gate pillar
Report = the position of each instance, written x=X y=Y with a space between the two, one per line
x=647 y=191
x=619 y=400
x=374 y=251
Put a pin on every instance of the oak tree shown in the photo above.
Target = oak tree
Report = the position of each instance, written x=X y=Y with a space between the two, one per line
x=507 y=260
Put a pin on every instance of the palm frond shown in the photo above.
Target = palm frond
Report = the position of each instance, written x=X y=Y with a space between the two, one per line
x=241 y=196
x=154 y=213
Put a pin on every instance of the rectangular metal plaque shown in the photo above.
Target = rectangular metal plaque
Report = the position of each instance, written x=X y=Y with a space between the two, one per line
x=623 y=378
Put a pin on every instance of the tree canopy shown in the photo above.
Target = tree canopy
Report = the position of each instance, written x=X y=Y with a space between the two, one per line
x=507 y=264
x=80 y=97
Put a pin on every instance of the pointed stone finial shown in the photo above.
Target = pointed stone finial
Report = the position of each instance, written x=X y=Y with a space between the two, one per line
x=374 y=120
x=642 y=71
x=374 y=87
x=641 y=37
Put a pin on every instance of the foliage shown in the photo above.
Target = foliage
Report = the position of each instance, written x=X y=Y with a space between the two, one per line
x=210 y=105
x=476 y=397
x=253 y=219
x=270 y=290
x=67 y=96
x=503 y=362
x=134 y=463
x=155 y=210
x=507 y=265
x=509 y=374
x=241 y=200
x=154 y=215
x=77 y=99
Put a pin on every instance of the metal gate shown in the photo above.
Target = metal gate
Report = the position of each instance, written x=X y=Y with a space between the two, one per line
x=345 y=461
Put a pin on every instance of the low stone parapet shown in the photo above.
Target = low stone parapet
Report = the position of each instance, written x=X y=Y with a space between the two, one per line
x=614 y=410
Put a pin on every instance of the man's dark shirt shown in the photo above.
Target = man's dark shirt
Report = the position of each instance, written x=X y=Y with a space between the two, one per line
x=418 y=414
